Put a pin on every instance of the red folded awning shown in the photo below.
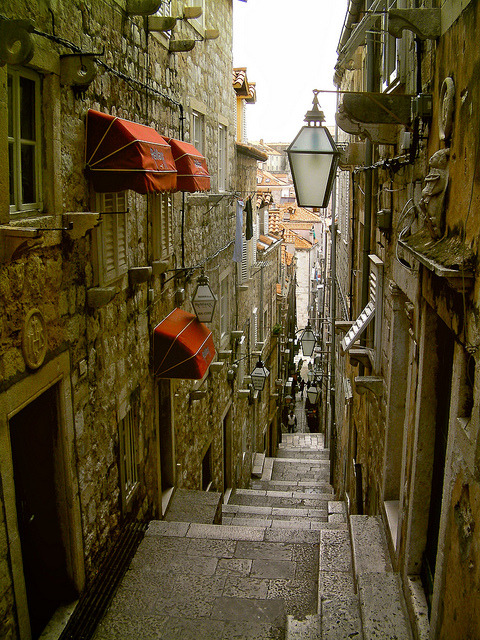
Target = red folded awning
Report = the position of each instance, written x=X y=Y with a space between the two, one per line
x=192 y=170
x=122 y=155
x=182 y=347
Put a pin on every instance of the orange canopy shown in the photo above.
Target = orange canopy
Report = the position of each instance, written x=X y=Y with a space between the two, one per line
x=192 y=170
x=182 y=347
x=122 y=155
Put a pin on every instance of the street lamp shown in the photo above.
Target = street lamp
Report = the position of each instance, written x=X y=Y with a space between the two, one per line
x=308 y=341
x=312 y=393
x=204 y=300
x=313 y=158
x=259 y=375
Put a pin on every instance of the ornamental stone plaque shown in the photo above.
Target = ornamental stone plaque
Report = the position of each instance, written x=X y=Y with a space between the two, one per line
x=34 y=339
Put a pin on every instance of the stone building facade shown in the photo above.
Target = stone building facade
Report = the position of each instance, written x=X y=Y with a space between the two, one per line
x=407 y=401
x=90 y=437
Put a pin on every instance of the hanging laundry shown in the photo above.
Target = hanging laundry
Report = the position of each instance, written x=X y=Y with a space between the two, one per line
x=249 y=220
x=238 y=248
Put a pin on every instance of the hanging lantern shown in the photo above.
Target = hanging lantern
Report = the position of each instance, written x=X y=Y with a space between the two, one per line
x=204 y=300
x=313 y=158
x=308 y=341
x=312 y=393
x=259 y=375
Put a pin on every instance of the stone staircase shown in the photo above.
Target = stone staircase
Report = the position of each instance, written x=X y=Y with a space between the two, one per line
x=284 y=564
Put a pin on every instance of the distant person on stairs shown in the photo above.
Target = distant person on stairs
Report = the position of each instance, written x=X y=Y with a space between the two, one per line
x=292 y=422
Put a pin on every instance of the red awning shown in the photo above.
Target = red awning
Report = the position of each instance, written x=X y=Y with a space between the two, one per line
x=124 y=155
x=192 y=170
x=182 y=347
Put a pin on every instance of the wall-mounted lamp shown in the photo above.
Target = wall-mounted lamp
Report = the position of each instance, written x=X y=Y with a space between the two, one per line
x=259 y=375
x=204 y=300
x=313 y=158
x=308 y=341
x=312 y=393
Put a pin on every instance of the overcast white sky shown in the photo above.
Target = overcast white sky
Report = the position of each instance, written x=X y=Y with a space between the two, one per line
x=289 y=49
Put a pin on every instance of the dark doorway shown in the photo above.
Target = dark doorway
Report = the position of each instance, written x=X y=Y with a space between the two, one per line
x=40 y=503
x=443 y=383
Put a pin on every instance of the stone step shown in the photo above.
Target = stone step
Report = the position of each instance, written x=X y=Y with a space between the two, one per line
x=382 y=603
x=311 y=440
x=338 y=602
x=303 y=452
x=275 y=517
x=306 y=629
x=383 y=609
x=275 y=512
x=258 y=463
x=214 y=581
x=370 y=550
x=286 y=499
x=296 y=485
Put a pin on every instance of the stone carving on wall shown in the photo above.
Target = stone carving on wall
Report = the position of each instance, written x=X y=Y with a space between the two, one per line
x=431 y=204
x=34 y=339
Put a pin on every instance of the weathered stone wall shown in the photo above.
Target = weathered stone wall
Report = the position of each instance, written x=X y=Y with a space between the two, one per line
x=427 y=299
x=109 y=345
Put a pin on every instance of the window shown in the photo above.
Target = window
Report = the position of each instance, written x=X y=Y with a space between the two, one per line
x=112 y=237
x=198 y=129
x=224 y=308
x=162 y=225
x=391 y=52
x=222 y=157
x=24 y=133
x=128 y=454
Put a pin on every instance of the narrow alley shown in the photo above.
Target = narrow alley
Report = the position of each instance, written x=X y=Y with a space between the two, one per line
x=278 y=566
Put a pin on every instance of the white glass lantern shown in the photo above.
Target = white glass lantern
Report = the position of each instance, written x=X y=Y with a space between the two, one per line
x=313 y=158
x=259 y=375
x=204 y=300
x=312 y=393
x=308 y=341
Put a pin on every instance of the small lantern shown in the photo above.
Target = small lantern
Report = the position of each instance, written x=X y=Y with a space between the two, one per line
x=204 y=300
x=259 y=375
x=312 y=393
x=313 y=158
x=308 y=341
